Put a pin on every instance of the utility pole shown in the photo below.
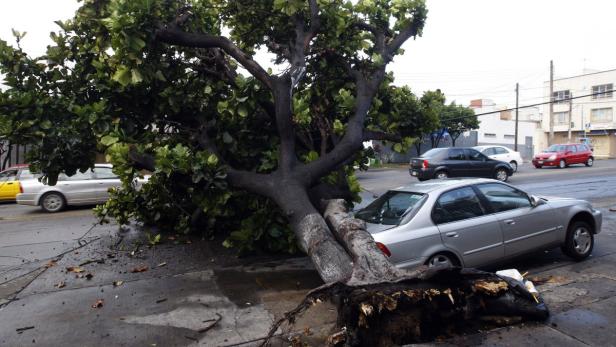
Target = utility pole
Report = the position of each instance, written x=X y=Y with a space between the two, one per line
x=551 y=137
x=517 y=98
x=570 y=116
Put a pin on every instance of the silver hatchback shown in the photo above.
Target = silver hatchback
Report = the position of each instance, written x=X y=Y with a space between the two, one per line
x=476 y=222
x=87 y=188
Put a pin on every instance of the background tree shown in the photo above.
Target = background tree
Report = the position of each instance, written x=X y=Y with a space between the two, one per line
x=156 y=85
x=458 y=119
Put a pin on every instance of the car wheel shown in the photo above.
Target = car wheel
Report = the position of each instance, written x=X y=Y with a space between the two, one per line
x=589 y=161
x=562 y=164
x=501 y=175
x=442 y=259
x=538 y=166
x=53 y=202
x=514 y=165
x=441 y=175
x=580 y=241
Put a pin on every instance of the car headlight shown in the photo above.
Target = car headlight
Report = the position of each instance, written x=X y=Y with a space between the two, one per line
x=552 y=157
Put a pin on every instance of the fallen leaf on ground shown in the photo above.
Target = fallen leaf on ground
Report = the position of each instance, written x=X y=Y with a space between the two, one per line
x=161 y=300
x=21 y=330
x=50 y=264
x=89 y=276
x=140 y=268
x=171 y=238
x=75 y=269
x=98 y=304
x=117 y=283
x=61 y=285
x=162 y=264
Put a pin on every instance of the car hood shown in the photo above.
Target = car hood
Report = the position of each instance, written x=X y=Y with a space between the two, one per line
x=377 y=228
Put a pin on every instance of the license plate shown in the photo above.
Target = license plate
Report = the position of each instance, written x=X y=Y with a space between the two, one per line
x=413 y=173
x=540 y=162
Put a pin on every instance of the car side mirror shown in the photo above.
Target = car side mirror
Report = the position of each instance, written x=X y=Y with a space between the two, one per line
x=535 y=201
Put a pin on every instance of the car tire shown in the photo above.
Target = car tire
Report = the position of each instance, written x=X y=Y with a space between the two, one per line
x=53 y=202
x=514 y=165
x=562 y=164
x=441 y=174
x=501 y=175
x=442 y=259
x=538 y=166
x=580 y=241
x=590 y=161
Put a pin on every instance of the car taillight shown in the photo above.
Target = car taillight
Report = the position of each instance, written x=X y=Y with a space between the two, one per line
x=383 y=249
x=425 y=164
x=21 y=188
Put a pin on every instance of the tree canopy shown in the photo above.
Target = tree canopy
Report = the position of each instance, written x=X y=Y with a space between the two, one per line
x=173 y=87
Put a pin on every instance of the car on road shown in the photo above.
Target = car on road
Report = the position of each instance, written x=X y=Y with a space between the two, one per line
x=564 y=155
x=82 y=188
x=458 y=162
x=10 y=180
x=502 y=153
x=475 y=223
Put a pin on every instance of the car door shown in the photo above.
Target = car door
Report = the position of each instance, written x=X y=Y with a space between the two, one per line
x=9 y=186
x=480 y=165
x=457 y=164
x=489 y=152
x=573 y=157
x=104 y=179
x=467 y=228
x=525 y=227
x=78 y=189
x=502 y=154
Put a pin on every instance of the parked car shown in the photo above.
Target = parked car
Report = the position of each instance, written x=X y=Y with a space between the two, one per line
x=83 y=188
x=10 y=181
x=458 y=162
x=502 y=153
x=476 y=222
x=564 y=155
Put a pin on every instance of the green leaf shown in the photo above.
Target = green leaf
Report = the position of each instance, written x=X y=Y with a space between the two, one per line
x=242 y=110
x=122 y=75
x=226 y=138
x=136 y=76
x=108 y=140
x=212 y=160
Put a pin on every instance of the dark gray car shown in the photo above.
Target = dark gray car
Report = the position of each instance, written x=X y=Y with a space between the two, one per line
x=476 y=222
x=458 y=162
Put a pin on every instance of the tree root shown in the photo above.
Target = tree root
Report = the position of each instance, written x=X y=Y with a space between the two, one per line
x=420 y=307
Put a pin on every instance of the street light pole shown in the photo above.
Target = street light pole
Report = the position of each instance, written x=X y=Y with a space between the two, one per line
x=570 y=116
x=517 y=98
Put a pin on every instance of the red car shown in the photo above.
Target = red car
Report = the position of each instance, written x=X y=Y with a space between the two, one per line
x=564 y=155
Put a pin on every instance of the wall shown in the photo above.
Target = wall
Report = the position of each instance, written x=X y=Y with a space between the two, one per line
x=387 y=155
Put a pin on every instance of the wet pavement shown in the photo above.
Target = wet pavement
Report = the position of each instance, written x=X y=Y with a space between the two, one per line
x=192 y=292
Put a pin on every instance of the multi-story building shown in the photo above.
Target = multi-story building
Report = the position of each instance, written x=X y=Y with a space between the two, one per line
x=497 y=126
x=584 y=119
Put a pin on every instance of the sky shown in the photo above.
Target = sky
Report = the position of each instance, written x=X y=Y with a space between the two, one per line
x=470 y=49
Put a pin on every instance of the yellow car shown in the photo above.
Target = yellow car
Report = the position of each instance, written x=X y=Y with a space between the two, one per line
x=9 y=181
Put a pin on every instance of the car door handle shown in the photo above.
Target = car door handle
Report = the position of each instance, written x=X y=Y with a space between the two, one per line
x=510 y=221
x=452 y=234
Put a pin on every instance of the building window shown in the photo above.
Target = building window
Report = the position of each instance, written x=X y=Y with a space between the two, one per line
x=602 y=91
x=601 y=115
x=510 y=137
x=561 y=118
x=489 y=135
x=505 y=115
x=561 y=96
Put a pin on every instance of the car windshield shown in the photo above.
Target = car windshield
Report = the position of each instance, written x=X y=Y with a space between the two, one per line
x=390 y=208
x=433 y=152
x=555 y=148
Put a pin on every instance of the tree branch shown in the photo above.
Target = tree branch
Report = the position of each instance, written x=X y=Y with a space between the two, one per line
x=173 y=35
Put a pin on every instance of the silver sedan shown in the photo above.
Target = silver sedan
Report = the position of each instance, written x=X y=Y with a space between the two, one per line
x=476 y=222
x=87 y=188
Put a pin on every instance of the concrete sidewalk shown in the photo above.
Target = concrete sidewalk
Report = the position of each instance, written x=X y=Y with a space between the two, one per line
x=188 y=293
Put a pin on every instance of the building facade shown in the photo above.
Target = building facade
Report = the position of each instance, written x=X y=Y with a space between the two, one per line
x=587 y=118
x=497 y=127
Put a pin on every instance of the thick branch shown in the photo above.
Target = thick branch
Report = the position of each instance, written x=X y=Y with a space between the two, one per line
x=173 y=35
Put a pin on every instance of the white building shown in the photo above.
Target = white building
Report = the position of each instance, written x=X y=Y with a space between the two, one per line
x=498 y=127
x=592 y=117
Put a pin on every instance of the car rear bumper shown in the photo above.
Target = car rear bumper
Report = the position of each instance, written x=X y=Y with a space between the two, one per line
x=27 y=199
x=421 y=173
x=598 y=217
x=545 y=162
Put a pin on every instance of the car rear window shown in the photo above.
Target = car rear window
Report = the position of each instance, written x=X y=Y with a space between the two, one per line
x=390 y=208
x=434 y=153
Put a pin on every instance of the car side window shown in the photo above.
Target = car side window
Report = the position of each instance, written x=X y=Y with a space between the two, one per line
x=572 y=149
x=474 y=155
x=104 y=173
x=500 y=150
x=78 y=176
x=456 y=205
x=489 y=151
x=8 y=175
x=502 y=197
x=456 y=154
x=581 y=148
